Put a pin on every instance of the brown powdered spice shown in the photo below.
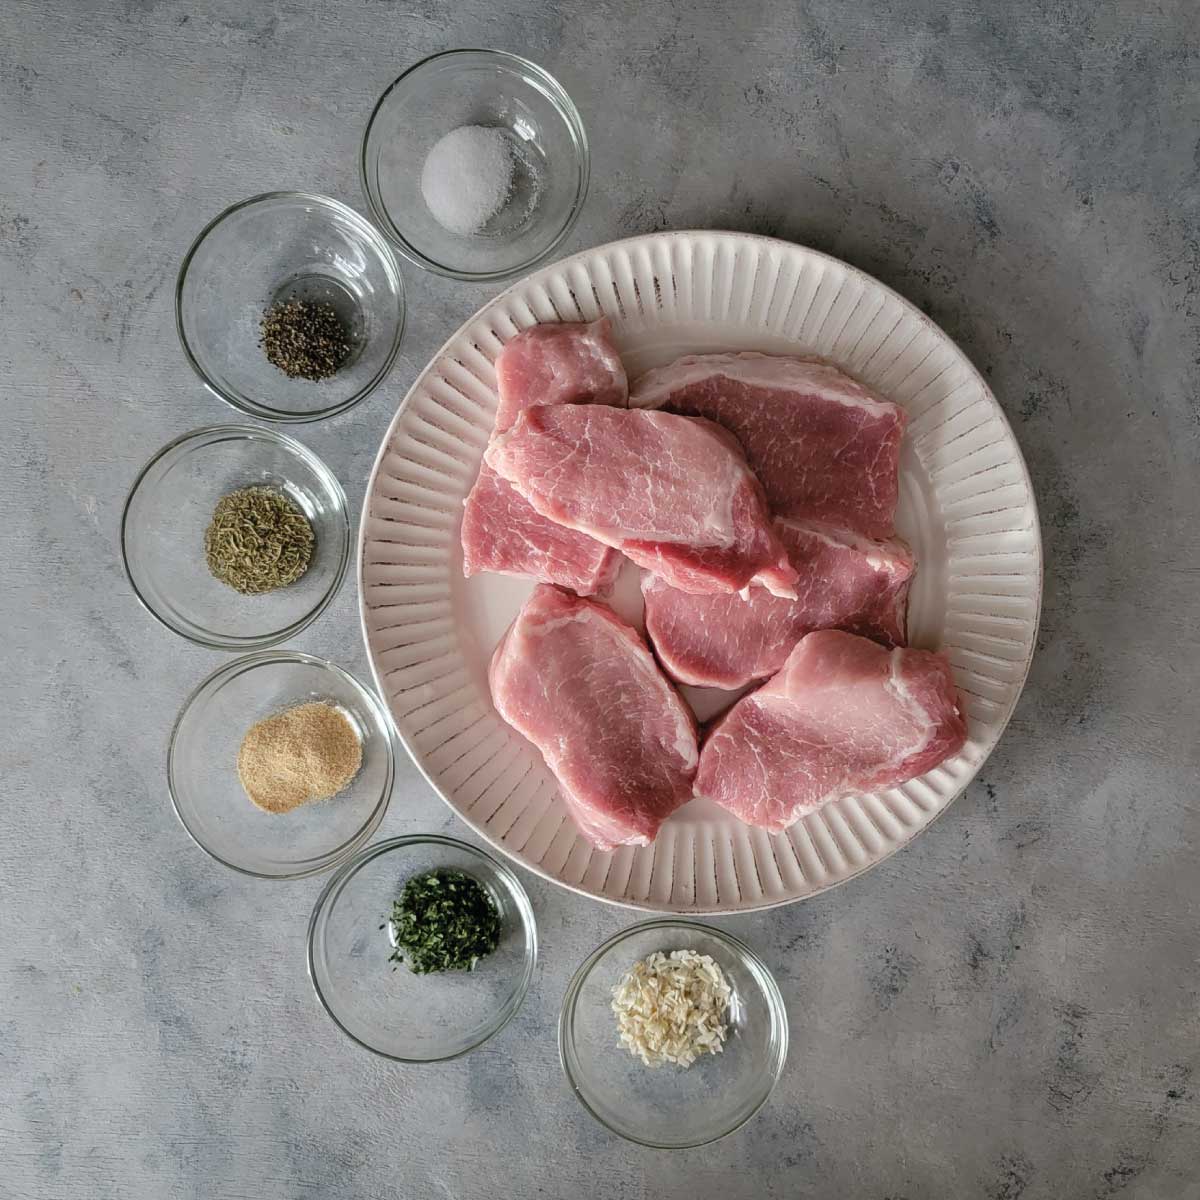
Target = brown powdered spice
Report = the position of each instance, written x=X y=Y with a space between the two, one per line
x=309 y=752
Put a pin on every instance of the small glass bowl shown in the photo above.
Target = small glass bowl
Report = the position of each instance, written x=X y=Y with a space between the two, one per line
x=477 y=87
x=382 y=1005
x=203 y=778
x=668 y=1107
x=274 y=248
x=170 y=507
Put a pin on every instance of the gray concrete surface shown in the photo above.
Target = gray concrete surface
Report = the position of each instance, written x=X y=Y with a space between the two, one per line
x=1007 y=1009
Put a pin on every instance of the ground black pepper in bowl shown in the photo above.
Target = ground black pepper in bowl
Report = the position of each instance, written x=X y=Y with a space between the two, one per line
x=304 y=339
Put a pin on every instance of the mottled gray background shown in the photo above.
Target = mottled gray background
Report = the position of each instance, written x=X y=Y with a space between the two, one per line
x=1009 y=1008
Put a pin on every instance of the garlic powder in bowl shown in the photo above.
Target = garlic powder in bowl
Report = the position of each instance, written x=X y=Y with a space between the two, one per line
x=291 y=759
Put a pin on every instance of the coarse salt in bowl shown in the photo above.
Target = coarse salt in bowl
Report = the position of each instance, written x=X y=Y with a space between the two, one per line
x=434 y=164
x=668 y=1106
x=468 y=177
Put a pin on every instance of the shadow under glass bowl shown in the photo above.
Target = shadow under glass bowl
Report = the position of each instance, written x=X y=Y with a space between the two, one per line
x=382 y=1005
x=278 y=247
x=170 y=507
x=207 y=793
x=545 y=134
x=669 y=1107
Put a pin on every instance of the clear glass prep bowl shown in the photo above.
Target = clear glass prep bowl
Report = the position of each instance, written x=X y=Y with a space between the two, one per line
x=277 y=247
x=382 y=1005
x=170 y=506
x=670 y=1107
x=477 y=87
x=203 y=779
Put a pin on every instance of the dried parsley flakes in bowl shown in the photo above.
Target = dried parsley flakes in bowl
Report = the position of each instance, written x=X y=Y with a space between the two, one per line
x=463 y=906
x=443 y=921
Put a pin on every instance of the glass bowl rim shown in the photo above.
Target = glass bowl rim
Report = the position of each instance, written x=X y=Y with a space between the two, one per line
x=352 y=865
x=758 y=969
x=558 y=96
x=379 y=244
x=339 y=854
x=328 y=479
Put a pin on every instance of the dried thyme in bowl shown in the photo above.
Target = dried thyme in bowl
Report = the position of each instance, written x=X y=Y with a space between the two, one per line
x=258 y=540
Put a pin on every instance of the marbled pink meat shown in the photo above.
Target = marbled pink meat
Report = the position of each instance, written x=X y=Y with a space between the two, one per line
x=672 y=493
x=846 y=582
x=559 y=364
x=501 y=533
x=843 y=715
x=583 y=687
x=825 y=447
x=547 y=364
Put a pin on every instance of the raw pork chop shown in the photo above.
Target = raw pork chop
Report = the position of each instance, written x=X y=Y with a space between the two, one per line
x=559 y=364
x=846 y=582
x=581 y=685
x=548 y=364
x=503 y=534
x=825 y=448
x=672 y=493
x=843 y=715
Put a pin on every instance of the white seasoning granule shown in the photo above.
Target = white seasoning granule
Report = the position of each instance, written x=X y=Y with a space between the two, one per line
x=467 y=178
x=671 y=1008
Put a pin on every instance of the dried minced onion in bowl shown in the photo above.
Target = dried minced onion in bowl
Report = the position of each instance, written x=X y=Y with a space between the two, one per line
x=672 y=1109
x=671 y=1008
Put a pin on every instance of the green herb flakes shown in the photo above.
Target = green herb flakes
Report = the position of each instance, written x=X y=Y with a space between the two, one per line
x=258 y=540
x=444 y=921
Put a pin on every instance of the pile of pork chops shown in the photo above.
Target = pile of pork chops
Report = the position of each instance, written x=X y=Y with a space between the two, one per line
x=758 y=496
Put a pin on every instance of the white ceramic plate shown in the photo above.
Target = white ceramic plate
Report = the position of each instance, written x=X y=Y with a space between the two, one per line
x=966 y=507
